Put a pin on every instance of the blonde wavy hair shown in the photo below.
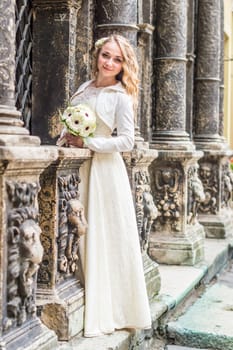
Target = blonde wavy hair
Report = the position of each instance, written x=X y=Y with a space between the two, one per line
x=129 y=74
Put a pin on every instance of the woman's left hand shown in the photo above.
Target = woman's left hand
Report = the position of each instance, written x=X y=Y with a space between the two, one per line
x=75 y=141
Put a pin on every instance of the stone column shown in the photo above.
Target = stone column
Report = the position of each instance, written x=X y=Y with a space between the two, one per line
x=169 y=124
x=176 y=235
x=117 y=17
x=215 y=212
x=11 y=126
x=54 y=64
x=60 y=295
x=207 y=79
x=21 y=162
x=145 y=49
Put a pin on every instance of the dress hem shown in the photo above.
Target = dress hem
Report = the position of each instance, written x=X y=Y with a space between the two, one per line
x=126 y=328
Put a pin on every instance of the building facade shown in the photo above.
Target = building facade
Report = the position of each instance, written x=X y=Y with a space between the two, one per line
x=180 y=162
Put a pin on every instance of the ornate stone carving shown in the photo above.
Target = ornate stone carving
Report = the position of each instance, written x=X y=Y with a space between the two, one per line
x=72 y=224
x=196 y=194
x=227 y=186
x=208 y=174
x=146 y=210
x=24 y=253
x=167 y=198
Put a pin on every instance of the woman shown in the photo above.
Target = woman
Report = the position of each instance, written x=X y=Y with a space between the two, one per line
x=115 y=291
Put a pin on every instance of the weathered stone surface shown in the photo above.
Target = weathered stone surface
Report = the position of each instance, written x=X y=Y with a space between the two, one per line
x=22 y=249
x=176 y=236
x=58 y=285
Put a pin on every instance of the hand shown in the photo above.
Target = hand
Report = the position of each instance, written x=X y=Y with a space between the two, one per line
x=75 y=141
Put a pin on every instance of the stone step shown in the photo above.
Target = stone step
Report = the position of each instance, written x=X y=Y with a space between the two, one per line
x=177 y=347
x=208 y=322
x=117 y=341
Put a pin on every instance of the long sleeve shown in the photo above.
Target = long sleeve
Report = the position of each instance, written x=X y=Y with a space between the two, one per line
x=124 y=141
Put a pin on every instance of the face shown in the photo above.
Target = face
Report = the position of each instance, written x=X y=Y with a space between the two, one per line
x=110 y=60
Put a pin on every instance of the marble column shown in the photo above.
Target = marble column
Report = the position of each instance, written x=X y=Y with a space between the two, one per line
x=21 y=162
x=176 y=235
x=215 y=213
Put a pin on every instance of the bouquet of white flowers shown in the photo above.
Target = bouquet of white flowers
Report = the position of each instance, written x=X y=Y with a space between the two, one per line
x=79 y=120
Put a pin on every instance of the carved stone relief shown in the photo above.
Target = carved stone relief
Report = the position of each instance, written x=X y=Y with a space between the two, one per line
x=168 y=192
x=208 y=174
x=227 y=185
x=196 y=194
x=24 y=253
x=72 y=225
x=146 y=210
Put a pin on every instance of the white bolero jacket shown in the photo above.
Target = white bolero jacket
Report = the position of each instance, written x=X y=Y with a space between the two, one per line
x=115 y=108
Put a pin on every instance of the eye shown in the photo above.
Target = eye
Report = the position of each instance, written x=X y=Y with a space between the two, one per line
x=105 y=55
x=118 y=60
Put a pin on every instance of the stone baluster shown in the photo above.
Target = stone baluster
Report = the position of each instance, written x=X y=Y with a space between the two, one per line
x=176 y=235
x=215 y=213
x=21 y=162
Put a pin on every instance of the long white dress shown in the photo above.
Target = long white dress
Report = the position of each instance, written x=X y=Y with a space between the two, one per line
x=115 y=290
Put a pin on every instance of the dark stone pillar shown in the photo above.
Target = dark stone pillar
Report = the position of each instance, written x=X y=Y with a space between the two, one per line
x=176 y=235
x=54 y=63
x=190 y=66
x=117 y=17
x=207 y=79
x=145 y=49
x=215 y=212
x=11 y=126
x=221 y=87
x=169 y=130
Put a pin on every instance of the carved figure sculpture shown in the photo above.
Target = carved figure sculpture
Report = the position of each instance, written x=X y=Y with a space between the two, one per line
x=196 y=194
x=31 y=253
x=77 y=226
x=150 y=213
x=209 y=181
x=168 y=194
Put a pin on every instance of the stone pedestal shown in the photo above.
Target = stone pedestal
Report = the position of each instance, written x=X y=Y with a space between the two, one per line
x=137 y=163
x=60 y=296
x=176 y=235
x=215 y=213
x=21 y=249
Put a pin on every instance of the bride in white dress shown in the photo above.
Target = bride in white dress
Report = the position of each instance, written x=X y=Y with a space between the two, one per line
x=115 y=290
